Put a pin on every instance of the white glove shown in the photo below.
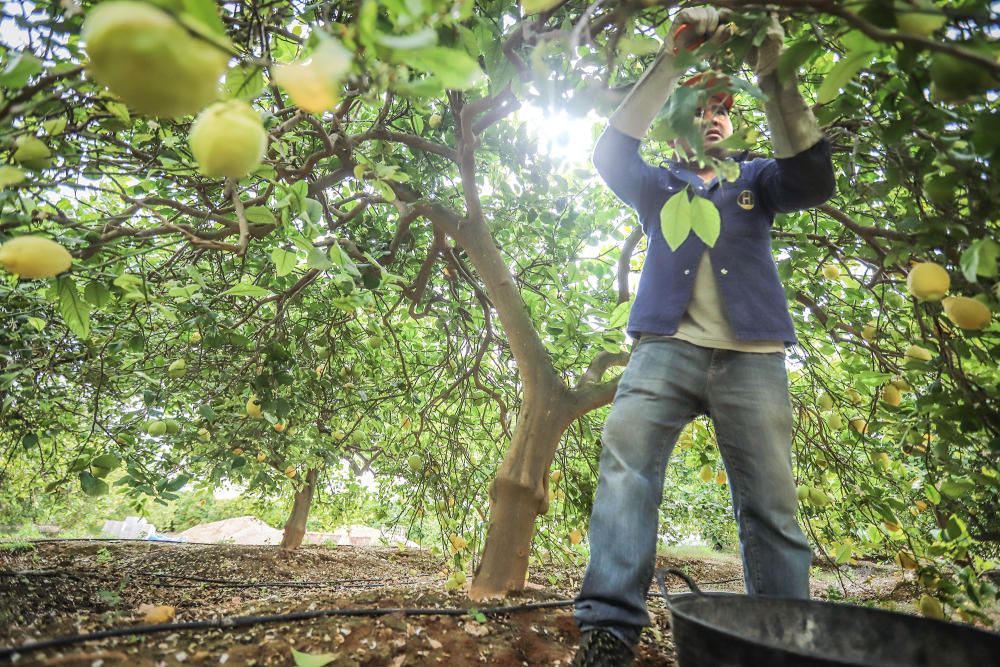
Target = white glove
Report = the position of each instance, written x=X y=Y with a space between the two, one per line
x=639 y=108
x=793 y=126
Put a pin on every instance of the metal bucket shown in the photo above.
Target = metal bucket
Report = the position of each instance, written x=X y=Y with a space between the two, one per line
x=726 y=630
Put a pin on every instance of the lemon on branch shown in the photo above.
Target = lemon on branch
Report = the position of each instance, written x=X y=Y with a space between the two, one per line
x=228 y=139
x=928 y=281
x=253 y=407
x=966 y=312
x=150 y=61
x=314 y=84
x=34 y=257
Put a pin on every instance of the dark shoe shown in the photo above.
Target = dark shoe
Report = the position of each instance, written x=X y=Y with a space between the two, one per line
x=600 y=648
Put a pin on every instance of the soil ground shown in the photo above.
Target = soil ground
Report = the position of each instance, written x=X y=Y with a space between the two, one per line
x=72 y=587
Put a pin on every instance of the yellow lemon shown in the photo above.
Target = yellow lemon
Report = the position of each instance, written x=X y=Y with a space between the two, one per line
x=253 y=407
x=931 y=607
x=831 y=271
x=869 y=331
x=34 y=257
x=290 y=472
x=928 y=281
x=279 y=427
x=966 y=312
x=261 y=456
x=891 y=395
x=228 y=139
x=575 y=537
x=314 y=84
x=720 y=477
x=555 y=476
x=860 y=425
x=149 y=60
x=706 y=474
x=915 y=353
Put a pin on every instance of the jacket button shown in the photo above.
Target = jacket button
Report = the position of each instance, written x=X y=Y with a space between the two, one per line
x=687 y=271
x=723 y=271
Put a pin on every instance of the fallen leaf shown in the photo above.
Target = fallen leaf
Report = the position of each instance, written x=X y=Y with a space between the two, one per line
x=476 y=629
x=434 y=644
x=310 y=660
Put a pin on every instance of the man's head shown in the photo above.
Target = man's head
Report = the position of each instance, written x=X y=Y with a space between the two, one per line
x=712 y=116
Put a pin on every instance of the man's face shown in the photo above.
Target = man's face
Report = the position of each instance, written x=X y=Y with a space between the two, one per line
x=716 y=125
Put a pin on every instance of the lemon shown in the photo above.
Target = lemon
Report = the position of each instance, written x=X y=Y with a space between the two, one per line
x=314 y=84
x=204 y=434
x=825 y=401
x=835 y=421
x=253 y=407
x=883 y=460
x=290 y=472
x=416 y=462
x=906 y=560
x=900 y=383
x=32 y=152
x=556 y=476
x=706 y=474
x=228 y=139
x=869 y=331
x=177 y=369
x=891 y=395
x=237 y=451
x=720 y=477
x=149 y=60
x=173 y=426
x=34 y=257
x=279 y=427
x=434 y=121
x=931 y=607
x=802 y=492
x=339 y=434
x=156 y=428
x=860 y=425
x=928 y=281
x=831 y=271
x=261 y=456
x=818 y=497
x=196 y=337
x=575 y=536
x=915 y=353
x=966 y=312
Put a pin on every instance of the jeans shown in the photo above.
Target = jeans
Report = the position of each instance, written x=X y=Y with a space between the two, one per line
x=667 y=383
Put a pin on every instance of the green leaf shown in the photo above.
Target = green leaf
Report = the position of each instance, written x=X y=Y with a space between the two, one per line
x=318 y=260
x=119 y=111
x=794 y=56
x=536 y=6
x=37 y=323
x=844 y=553
x=841 y=75
x=454 y=68
x=705 y=220
x=418 y=40
x=260 y=215
x=91 y=485
x=344 y=261
x=932 y=494
x=242 y=289
x=75 y=311
x=619 y=316
x=980 y=260
x=97 y=294
x=54 y=126
x=245 y=82
x=675 y=219
x=177 y=483
x=284 y=261
x=204 y=12
x=183 y=291
x=10 y=176
x=106 y=461
x=311 y=660
x=19 y=70
x=956 y=487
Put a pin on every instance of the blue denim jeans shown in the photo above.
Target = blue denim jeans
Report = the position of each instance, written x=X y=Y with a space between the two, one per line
x=667 y=383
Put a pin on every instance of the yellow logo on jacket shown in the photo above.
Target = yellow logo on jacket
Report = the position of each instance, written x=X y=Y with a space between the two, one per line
x=745 y=200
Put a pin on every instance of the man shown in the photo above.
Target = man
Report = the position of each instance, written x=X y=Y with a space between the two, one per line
x=711 y=326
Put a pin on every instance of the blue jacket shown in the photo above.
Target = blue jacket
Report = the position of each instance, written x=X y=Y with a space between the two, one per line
x=750 y=289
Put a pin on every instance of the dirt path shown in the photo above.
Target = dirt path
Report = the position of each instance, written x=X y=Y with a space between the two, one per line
x=67 y=588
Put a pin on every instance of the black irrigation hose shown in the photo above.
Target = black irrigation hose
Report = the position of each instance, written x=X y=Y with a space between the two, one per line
x=244 y=621
x=228 y=583
x=167 y=541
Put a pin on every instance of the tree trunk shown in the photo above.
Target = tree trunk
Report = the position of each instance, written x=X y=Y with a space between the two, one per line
x=519 y=494
x=295 y=527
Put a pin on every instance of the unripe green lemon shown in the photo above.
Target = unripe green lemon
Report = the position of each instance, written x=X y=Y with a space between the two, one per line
x=149 y=60
x=228 y=139
x=156 y=428
x=34 y=257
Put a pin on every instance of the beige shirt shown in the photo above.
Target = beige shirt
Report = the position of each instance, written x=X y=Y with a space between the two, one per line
x=705 y=324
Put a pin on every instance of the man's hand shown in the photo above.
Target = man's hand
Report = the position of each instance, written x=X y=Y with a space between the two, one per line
x=766 y=55
x=695 y=26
